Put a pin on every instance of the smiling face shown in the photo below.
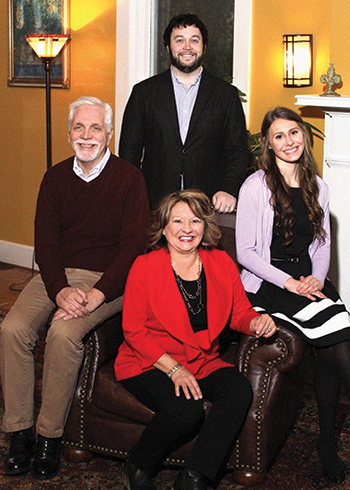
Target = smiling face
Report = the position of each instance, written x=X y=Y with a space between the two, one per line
x=286 y=139
x=184 y=232
x=88 y=135
x=186 y=48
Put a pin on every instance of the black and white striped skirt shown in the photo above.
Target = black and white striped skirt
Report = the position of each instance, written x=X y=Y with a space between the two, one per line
x=322 y=322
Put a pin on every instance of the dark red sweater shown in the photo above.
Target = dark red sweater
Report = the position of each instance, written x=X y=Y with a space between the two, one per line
x=100 y=226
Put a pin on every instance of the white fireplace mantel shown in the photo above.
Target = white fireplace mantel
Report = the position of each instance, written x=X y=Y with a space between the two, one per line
x=330 y=102
x=336 y=173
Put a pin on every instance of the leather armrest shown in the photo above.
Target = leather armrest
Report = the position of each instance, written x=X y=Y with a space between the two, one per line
x=285 y=350
x=101 y=348
x=269 y=365
x=111 y=396
x=105 y=340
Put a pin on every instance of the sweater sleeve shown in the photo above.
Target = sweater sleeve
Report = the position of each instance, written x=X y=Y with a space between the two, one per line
x=135 y=222
x=249 y=221
x=321 y=256
x=47 y=237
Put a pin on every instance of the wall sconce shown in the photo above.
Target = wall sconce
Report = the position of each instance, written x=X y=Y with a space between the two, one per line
x=47 y=47
x=297 y=60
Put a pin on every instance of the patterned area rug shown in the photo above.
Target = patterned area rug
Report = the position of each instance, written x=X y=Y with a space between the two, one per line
x=296 y=468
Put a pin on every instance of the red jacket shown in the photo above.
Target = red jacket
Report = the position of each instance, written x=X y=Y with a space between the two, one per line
x=156 y=321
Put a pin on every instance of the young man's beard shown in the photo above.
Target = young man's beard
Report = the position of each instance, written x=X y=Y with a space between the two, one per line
x=183 y=67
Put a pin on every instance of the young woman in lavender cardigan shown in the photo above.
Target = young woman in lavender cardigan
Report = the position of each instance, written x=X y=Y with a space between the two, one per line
x=283 y=245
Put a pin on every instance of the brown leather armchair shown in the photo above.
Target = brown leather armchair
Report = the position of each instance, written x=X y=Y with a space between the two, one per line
x=105 y=419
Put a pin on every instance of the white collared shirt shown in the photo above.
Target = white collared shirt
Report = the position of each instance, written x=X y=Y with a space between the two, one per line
x=95 y=172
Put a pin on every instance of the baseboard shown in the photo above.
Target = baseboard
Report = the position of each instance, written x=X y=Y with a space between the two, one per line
x=16 y=254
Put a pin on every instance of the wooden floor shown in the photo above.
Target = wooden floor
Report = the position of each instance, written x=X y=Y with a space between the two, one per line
x=11 y=277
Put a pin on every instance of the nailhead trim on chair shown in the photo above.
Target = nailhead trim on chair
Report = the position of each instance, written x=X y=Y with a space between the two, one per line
x=83 y=393
x=259 y=412
x=123 y=454
x=82 y=401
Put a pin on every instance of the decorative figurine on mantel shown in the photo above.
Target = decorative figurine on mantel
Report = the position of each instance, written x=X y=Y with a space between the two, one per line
x=330 y=79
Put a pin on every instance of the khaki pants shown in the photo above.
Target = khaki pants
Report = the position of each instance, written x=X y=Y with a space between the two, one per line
x=63 y=355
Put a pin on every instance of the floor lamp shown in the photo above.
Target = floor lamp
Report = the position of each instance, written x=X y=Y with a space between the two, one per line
x=47 y=47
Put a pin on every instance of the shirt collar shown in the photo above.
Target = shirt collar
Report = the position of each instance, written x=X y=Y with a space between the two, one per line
x=95 y=172
x=176 y=80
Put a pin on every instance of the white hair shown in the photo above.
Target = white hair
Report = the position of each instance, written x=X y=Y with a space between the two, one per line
x=85 y=100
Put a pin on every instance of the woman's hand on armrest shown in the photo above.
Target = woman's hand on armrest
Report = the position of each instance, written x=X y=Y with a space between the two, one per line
x=263 y=326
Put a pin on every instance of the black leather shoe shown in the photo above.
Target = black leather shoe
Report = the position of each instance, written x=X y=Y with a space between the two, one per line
x=334 y=477
x=47 y=460
x=136 y=479
x=333 y=470
x=22 y=449
x=190 y=480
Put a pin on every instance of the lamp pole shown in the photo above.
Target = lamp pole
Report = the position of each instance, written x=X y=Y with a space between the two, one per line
x=47 y=63
x=47 y=47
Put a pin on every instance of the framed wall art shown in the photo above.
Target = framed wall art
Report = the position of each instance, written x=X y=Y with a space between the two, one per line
x=36 y=17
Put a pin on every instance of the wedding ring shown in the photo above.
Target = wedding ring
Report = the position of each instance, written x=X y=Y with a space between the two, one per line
x=268 y=329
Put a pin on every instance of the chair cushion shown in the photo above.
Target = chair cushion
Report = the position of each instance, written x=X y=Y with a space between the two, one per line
x=112 y=397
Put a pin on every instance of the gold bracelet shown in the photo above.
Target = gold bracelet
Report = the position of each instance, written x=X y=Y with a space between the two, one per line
x=174 y=369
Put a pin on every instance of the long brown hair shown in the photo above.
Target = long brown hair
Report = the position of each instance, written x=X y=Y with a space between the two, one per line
x=200 y=205
x=281 y=198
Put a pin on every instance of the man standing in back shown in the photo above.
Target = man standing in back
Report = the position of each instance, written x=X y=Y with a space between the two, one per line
x=185 y=127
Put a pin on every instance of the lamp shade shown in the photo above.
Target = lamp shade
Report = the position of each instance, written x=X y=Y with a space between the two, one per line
x=297 y=60
x=47 y=45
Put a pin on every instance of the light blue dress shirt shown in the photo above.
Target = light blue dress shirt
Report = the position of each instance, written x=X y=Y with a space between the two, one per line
x=185 y=100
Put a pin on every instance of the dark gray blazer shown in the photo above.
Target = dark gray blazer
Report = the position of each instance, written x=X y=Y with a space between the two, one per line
x=215 y=154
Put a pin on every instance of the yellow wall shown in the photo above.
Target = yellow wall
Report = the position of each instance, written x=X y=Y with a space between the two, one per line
x=340 y=41
x=23 y=126
x=23 y=155
x=329 y=24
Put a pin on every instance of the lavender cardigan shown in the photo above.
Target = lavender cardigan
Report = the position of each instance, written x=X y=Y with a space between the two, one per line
x=254 y=226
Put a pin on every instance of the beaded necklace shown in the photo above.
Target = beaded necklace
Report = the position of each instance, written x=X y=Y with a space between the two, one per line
x=191 y=297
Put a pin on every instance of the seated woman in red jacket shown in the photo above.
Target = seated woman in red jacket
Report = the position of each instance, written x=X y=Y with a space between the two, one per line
x=178 y=298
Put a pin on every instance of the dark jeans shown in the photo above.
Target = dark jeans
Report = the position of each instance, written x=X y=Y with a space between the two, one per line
x=177 y=419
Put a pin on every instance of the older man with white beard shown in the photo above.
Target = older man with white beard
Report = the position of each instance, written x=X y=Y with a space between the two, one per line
x=91 y=222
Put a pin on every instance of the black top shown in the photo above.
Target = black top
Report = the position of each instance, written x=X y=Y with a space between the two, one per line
x=302 y=238
x=199 y=321
x=302 y=231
